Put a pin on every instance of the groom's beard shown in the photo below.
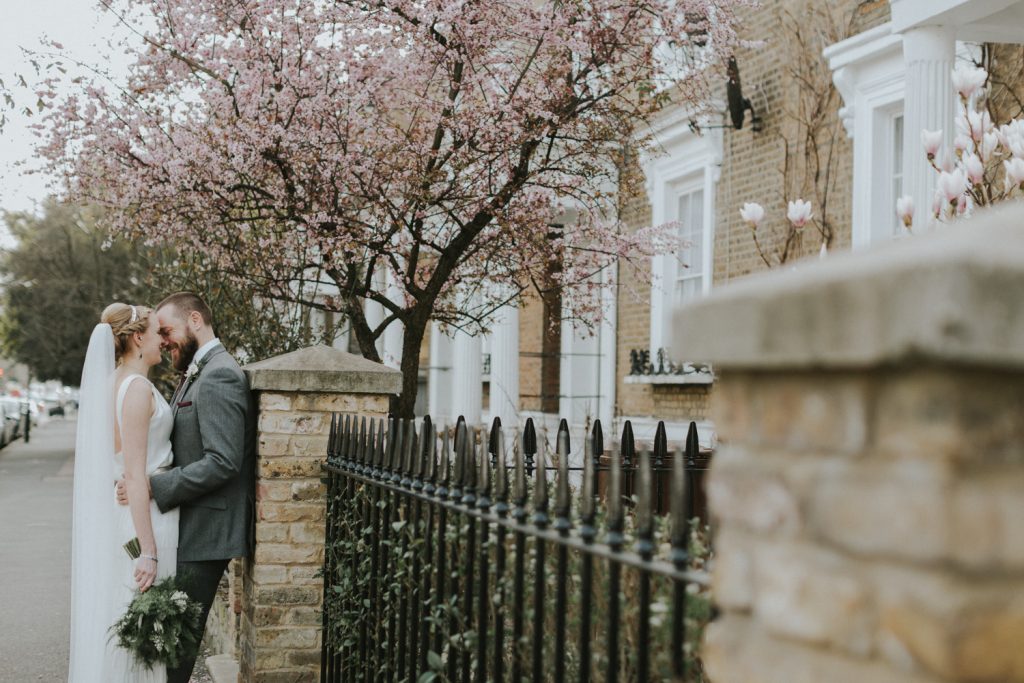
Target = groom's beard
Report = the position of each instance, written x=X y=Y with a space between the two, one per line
x=186 y=351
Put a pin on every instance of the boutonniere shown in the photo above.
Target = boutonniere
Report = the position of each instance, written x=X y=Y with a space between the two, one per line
x=191 y=372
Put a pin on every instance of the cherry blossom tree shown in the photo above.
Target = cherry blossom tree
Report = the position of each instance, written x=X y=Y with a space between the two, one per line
x=408 y=154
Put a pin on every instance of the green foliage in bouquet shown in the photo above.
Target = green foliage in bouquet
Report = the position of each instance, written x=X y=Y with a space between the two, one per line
x=161 y=626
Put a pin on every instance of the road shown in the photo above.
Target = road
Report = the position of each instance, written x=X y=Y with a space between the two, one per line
x=35 y=554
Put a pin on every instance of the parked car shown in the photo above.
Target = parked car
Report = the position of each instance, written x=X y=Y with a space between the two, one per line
x=11 y=415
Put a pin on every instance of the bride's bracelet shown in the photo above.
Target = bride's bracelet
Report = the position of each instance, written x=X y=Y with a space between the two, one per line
x=148 y=557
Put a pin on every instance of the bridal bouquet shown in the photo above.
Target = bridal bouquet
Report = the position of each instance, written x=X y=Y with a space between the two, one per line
x=161 y=626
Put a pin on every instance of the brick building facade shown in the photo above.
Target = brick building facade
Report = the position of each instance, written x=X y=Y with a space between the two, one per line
x=830 y=86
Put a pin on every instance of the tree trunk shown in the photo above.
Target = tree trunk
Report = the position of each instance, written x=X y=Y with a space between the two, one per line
x=403 y=405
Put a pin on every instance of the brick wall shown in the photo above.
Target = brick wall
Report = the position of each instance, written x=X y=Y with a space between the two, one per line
x=752 y=170
x=867 y=498
x=281 y=619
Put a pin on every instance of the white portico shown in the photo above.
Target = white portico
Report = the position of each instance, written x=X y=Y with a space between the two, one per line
x=895 y=82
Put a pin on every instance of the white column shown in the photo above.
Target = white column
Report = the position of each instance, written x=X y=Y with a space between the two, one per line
x=392 y=355
x=608 y=350
x=439 y=377
x=467 y=378
x=505 y=366
x=929 y=53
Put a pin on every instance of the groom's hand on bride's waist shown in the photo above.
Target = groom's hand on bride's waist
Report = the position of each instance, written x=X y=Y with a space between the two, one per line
x=121 y=491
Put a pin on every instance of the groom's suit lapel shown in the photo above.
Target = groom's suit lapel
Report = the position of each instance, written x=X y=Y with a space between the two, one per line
x=189 y=383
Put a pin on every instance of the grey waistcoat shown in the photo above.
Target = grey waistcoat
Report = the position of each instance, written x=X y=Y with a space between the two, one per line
x=213 y=477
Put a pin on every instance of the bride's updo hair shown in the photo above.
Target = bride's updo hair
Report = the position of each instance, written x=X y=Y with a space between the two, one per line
x=124 y=321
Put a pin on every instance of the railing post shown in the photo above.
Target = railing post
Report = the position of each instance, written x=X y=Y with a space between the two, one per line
x=867 y=487
x=282 y=593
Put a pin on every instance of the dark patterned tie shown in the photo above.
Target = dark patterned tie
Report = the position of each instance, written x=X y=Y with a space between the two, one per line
x=177 y=389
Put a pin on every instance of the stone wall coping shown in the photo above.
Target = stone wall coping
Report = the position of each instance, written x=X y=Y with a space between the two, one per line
x=953 y=295
x=323 y=369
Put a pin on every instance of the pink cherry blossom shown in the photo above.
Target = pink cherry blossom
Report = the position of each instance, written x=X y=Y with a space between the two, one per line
x=307 y=148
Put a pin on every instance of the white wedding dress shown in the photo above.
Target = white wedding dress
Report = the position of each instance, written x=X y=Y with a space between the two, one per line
x=102 y=582
x=119 y=665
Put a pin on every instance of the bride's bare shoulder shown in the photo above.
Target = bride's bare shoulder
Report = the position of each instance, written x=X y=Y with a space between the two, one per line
x=138 y=396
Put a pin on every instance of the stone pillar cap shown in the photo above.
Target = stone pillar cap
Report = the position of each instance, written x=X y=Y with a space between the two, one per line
x=953 y=296
x=323 y=369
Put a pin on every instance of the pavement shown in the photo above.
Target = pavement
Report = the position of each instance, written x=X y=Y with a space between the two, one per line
x=35 y=553
x=35 y=558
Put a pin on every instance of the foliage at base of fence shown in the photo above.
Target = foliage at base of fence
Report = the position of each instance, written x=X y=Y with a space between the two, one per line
x=471 y=563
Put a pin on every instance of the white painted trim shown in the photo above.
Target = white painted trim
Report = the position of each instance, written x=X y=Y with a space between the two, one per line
x=868 y=70
x=685 y=160
x=691 y=378
x=910 y=14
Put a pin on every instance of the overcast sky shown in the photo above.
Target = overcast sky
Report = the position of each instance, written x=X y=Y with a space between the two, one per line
x=82 y=28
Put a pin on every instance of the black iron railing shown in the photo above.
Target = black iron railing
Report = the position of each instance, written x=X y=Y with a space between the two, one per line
x=462 y=562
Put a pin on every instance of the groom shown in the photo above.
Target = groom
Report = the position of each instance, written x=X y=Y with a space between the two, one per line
x=213 y=476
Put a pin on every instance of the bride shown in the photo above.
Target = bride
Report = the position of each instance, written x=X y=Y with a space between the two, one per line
x=124 y=428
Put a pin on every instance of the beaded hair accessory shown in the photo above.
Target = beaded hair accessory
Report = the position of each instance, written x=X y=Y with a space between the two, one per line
x=135 y=315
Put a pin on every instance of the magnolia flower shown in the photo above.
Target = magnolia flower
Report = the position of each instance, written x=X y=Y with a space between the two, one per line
x=799 y=213
x=932 y=140
x=961 y=143
x=952 y=184
x=988 y=145
x=946 y=163
x=974 y=168
x=905 y=209
x=1014 y=172
x=937 y=204
x=979 y=123
x=967 y=80
x=752 y=213
x=1015 y=143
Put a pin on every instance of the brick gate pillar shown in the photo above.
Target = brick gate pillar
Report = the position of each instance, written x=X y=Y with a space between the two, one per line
x=279 y=638
x=869 y=487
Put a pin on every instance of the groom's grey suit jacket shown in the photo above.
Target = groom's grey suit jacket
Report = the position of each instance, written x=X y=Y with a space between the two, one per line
x=213 y=477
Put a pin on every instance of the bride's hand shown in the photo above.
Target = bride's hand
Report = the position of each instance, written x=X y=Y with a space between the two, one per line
x=145 y=573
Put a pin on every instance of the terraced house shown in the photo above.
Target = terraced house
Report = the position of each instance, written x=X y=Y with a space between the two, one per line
x=827 y=107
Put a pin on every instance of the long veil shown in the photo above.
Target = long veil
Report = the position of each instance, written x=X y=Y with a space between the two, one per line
x=93 y=536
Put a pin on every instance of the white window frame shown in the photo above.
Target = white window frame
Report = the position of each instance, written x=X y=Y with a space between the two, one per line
x=868 y=71
x=684 y=160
